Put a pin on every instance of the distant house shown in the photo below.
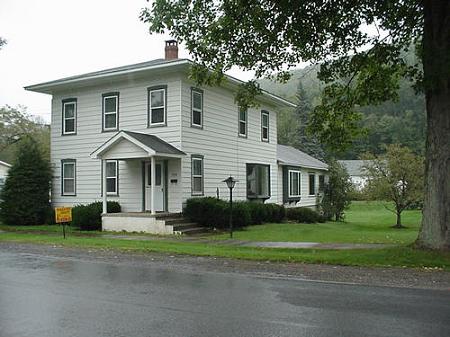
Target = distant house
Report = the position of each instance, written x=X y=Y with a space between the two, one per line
x=4 y=168
x=356 y=172
x=146 y=136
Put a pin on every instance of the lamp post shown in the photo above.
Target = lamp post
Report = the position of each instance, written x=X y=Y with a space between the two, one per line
x=230 y=181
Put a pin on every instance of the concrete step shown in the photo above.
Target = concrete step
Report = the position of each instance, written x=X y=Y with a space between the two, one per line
x=184 y=226
x=193 y=230
x=175 y=221
x=162 y=216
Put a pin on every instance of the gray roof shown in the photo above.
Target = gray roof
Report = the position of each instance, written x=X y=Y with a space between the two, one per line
x=109 y=71
x=354 y=167
x=154 y=143
x=288 y=155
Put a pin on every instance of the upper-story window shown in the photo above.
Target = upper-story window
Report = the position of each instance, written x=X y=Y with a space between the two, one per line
x=242 y=122
x=69 y=116
x=110 y=111
x=196 y=108
x=157 y=105
x=264 y=126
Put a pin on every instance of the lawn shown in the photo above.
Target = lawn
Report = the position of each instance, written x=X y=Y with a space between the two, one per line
x=365 y=222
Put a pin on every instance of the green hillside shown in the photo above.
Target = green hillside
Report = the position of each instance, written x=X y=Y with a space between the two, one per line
x=401 y=122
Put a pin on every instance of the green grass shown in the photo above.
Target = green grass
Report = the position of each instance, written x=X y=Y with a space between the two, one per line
x=364 y=223
x=398 y=256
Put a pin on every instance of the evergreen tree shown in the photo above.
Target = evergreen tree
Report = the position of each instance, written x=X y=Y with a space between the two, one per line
x=25 y=195
x=337 y=190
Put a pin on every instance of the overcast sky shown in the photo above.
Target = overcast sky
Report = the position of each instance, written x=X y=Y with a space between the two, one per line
x=50 y=39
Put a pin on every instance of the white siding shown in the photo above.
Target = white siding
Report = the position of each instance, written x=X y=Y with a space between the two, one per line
x=225 y=153
x=3 y=171
x=132 y=117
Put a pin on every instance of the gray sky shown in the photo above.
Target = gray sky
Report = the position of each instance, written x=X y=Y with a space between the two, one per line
x=50 y=39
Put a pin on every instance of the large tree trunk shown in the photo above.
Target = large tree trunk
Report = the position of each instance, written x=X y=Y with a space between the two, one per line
x=435 y=230
x=399 y=220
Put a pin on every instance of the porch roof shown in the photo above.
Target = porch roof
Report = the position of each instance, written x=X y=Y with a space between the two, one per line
x=149 y=145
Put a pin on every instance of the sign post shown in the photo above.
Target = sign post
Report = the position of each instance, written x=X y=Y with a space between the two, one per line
x=63 y=215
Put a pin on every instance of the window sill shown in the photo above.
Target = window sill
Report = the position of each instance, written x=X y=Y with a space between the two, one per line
x=69 y=134
x=242 y=136
x=110 y=130
x=157 y=125
x=195 y=126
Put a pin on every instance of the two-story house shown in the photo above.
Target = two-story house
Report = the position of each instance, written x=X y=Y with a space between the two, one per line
x=146 y=136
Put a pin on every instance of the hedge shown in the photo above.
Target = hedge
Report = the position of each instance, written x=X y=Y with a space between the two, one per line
x=213 y=212
x=89 y=217
x=303 y=215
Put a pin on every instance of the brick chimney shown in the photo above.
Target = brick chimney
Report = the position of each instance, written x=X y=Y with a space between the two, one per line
x=171 y=50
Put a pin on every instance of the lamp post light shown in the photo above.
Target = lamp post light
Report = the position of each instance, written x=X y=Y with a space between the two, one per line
x=230 y=181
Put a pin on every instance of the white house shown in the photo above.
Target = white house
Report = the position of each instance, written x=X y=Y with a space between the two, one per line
x=355 y=169
x=146 y=136
x=4 y=168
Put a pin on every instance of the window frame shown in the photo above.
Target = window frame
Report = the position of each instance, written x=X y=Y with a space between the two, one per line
x=243 y=135
x=116 y=177
x=162 y=88
x=65 y=162
x=104 y=113
x=201 y=93
x=200 y=158
x=265 y=113
x=298 y=172
x=269 y=190
x=69 y=101
x=310 y=174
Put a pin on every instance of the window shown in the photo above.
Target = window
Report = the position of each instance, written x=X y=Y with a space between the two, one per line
x=112 y=177
x=197 y=107
x=321 y=183
x=312 y=184
x=258 y=181
x=242 y=122
x=68 y=177
x=110 y=111
x=157 y=106
x=264 y=126
x=197 y=175
x=294 y=183
x=69 y=117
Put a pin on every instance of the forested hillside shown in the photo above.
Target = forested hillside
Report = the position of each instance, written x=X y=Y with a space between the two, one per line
x=391 y=122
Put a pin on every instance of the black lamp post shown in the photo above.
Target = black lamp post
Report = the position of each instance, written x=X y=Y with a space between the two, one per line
x=230 y=181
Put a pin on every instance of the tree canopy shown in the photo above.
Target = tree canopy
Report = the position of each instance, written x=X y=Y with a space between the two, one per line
x=359 y=45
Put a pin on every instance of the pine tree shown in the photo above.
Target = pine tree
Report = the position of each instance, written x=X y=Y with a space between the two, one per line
x=24 y=199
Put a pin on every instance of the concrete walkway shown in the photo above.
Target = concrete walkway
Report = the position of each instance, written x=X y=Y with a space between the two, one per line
x=242 y=243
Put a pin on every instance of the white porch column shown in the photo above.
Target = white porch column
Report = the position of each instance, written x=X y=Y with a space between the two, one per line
x=153 y=178
x=105 y=200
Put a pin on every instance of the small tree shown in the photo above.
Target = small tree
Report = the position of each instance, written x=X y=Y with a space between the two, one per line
x=337 y=190
x=25 y=195
x=396 y=176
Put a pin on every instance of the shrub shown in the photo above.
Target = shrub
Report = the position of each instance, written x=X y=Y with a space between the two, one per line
x=89 y=217
x=25 y=195
x=303 y=215
x=213 y=212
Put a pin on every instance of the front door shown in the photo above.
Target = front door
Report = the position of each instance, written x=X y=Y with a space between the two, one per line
x=159 y=186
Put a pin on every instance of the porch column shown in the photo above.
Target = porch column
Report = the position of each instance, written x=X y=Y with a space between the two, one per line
x=153 y=178
x=105 y=201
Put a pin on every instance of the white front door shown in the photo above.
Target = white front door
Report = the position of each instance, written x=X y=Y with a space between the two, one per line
x=159 y=186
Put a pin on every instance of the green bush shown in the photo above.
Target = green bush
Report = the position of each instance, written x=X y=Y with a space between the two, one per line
x=89 y=217
x=303 y=215
x=213 y=212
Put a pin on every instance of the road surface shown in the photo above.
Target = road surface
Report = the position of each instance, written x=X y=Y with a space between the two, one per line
x=47 y=295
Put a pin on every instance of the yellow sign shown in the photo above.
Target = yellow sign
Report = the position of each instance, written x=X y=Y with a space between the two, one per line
x=63 y=214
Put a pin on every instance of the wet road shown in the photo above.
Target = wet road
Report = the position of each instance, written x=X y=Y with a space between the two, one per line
x=53 y=296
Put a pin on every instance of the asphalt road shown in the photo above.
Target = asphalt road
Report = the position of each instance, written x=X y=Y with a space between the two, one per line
x=45 y=295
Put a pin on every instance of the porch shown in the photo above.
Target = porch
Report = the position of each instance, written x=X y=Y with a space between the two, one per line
x=147 y=162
